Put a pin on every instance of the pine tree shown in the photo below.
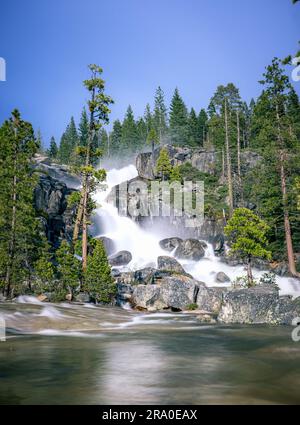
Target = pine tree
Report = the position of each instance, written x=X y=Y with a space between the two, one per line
x=152 y=139
x=69 y=268
x=53 y=149
x=194 y=136
x=68 y=143
x=202 y=124
x=148 y=118
x=19 y=227
x=246 y=234
x=98 y=279
x=116 y=139
x=160 y=115
x=129 y=142
x=274 y=129
x=175 y=174
x=99 y=115
x=163 y=165
x=178 y=120
x=83 y=128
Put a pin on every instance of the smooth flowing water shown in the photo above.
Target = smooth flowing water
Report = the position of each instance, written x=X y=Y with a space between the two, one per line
x=85 y=354
x=73 y=354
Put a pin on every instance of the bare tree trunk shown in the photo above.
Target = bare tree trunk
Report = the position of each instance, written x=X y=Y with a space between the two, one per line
x=12 y=241
x=249 y=272
x=238 y=145
x=287 y=226
x=228 y=161
x=223 y=164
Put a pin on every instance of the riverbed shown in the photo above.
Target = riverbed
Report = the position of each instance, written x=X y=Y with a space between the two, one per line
x=79 y=354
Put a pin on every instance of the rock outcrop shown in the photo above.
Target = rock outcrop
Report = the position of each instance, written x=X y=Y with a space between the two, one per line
x=260 y=304
x=190 y=249
x=121 y=258
x=169 y=263
x=50 y=200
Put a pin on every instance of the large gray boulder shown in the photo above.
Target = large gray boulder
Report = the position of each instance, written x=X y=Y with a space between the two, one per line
x=169 y=263
x=121 y=258
x=190 y=249
x=169 y=244
x=259 y=304
x=109 y=245
x=175 y=292
x=210 y=299
x=144 y=165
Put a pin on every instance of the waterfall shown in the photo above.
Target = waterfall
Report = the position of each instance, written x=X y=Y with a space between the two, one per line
x=144 y=244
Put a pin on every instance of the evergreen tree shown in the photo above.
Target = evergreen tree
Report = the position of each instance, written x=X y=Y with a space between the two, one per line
x=98 y=279
x=152 y=139
x=69 y=268
x=160 y=115
x=99 y=115
x=83 y=128
x=163 y=165
x=194 y=136
x=19 y=240
x=175 y=174
x=129 y=141
x=68 y=143
x=142 y=133
x=53 y=149
x=246 y=233
x=116 y=139
x=202 y=124
x=178 y=120
x=148 y=118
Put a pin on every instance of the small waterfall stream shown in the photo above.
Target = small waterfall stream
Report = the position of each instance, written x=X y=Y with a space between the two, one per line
x=144 y=245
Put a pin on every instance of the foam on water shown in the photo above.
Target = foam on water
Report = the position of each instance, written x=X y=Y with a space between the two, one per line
x=144 y=245
x=26 y=299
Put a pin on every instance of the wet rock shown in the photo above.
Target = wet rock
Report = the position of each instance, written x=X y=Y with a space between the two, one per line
x=175 y=292
x=124 y=293
x=169 y=244
x=148 y=297
x=125 y=278
x=169 y=263
x=222 y=277
x=207 y=318
x=288 y=310
x=69 y=297
x=210 y=299
x=121 y=258
x=2 y=298
x=218 y=244
x=259 y=304
x=145 y=276
x=190 y=249
x=109 y=245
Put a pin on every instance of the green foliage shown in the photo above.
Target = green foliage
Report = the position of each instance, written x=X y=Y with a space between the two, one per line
x=246 y=234
x=163 y=165
x=53 y=149
x=152 y=139
x=160 y=119
x=69 y=268
x=175 y=174
x=98 y=280
x=192 y=307
x=179 y=131
x=44 y=271
x=20 y=241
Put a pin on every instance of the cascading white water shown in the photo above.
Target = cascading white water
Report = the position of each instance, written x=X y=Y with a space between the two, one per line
x=144 y=246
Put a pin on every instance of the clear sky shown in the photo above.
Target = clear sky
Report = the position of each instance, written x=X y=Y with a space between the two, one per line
x=193 y=44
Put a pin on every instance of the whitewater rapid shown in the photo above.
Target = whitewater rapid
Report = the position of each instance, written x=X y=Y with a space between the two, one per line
x=144 y=244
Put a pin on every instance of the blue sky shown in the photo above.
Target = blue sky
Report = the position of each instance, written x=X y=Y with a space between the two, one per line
x=193 y=44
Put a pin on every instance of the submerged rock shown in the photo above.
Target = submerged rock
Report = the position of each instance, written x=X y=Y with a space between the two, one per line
x=190 y=249
x=82 y=297
x=169 y=263
x=121 y=258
